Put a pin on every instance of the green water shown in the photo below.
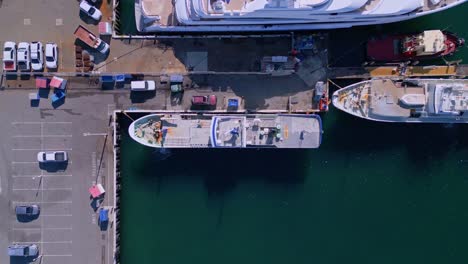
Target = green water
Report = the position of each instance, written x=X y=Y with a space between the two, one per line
x=373 y=193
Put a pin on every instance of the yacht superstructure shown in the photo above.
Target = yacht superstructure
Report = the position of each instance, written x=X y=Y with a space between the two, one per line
x=412 y=100
x=227 y=131
x=276 y=15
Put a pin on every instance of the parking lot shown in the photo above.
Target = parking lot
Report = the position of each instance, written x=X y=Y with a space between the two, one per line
x=48 y=186
x=67 y=229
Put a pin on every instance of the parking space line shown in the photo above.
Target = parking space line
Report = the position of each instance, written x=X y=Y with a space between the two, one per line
x=55 y=215
x=44 y=122
x=42 y=202
x=38 y=175
x=45 y=228
x=42 y=185
x=37 y=149
x=48 y=189
x=29 y=162
x=39 y=136
x=23 y=162
x=42 y=242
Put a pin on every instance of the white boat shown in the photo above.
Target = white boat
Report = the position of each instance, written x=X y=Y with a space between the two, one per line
x=276 y=15
x=175 y=130
x=412 y=101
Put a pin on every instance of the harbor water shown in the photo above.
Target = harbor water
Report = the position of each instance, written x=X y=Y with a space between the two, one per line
x=373 y=192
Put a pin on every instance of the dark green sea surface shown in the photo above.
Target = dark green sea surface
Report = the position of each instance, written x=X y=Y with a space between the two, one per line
x=373 y=193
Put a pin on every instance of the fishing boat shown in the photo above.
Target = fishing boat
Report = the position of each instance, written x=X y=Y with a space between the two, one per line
x=244 y=16
x=428 y=44
x=411 y=101
x=174 y=130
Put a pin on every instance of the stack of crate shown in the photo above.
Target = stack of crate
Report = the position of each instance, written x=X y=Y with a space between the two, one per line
x=84 y=62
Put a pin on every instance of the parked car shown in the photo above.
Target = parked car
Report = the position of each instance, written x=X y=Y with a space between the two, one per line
x=27 y=210
x=204 y=100
x=24 y=56
x=91 y=40
x=51 y=55
x=17 y=250
x=37 y=56
x=90 y=10
x=9 y=56
x=147 y=85
x=52 y=156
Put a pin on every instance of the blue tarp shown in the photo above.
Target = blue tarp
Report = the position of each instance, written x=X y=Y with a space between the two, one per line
x=107 y=78
x=103 y=215
x=234 y=103
x=57 y=96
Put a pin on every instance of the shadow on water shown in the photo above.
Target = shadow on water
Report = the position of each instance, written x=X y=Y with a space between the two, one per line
x=219 y=169
x=423 y=143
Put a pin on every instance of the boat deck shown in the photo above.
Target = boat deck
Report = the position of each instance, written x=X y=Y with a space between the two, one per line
x=385 y=96
x=412 y=100
x=173 y=130
x=162 y=9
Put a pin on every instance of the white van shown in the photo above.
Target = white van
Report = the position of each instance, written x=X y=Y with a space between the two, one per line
x=143 y=85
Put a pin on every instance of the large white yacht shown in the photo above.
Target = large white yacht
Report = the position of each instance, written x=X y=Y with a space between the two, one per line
x=409 y=101
x=276 y=15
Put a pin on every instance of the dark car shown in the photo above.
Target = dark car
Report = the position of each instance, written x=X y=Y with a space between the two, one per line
x=204 y=100
x=27 y=210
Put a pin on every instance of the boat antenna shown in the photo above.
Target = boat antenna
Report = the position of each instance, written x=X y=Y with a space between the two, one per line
x=447 y=27
x=332 y=82
x=123 y=112
x=454 y=62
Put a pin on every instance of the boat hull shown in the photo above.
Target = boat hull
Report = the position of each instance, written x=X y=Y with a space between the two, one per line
x=189 y=130
x=383 y=49
x=384 y=101
x=269 y=25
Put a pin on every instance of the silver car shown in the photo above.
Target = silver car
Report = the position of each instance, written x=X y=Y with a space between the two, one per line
x=17 y=250
x=27 y=210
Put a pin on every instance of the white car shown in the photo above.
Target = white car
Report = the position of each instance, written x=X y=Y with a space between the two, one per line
x=90 y=10
x=37 y=56
x=51 y=55
x=24 y=56
x=147 y=85
x=52 y=156
x=9 y=56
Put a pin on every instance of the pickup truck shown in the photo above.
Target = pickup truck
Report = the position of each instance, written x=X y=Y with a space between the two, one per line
x=52 y=156
x=24 y=56
x=91 y=40
x=9 y=56
x=209 y=100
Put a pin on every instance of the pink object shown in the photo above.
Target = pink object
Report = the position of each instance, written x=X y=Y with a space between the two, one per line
x=41 y=83
x=105 y=28
x=96 y=190
x=56 y=82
